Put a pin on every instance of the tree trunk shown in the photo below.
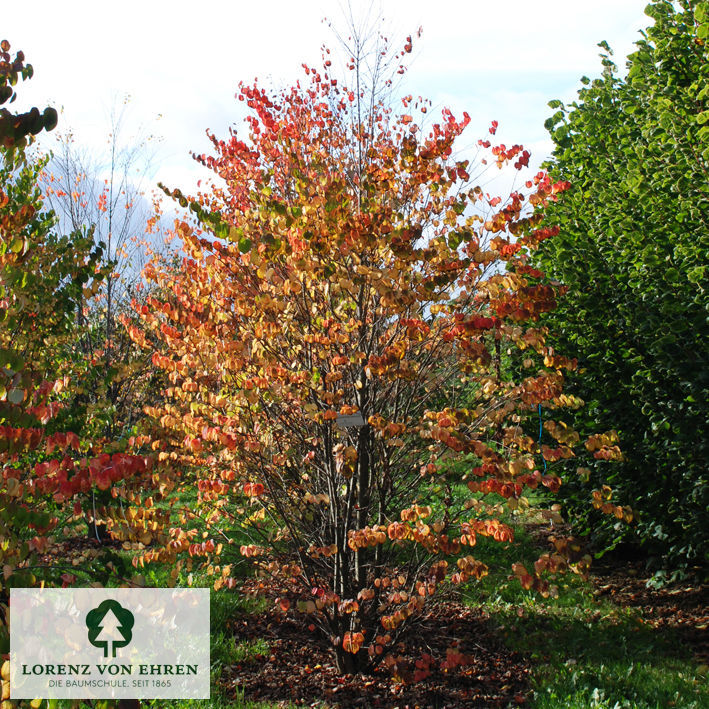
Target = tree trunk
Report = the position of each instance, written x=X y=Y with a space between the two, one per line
x=363 y=496
x=349 y=664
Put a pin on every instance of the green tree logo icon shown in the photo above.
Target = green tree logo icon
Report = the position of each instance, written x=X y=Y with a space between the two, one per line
x=110 y=626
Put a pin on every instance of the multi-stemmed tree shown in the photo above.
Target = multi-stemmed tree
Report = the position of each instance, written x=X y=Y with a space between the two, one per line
x=344 y=281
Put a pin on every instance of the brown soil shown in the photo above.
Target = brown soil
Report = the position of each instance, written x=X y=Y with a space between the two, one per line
x=300 y=669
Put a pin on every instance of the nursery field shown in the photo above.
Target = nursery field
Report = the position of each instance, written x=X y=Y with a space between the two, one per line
x=428 y=423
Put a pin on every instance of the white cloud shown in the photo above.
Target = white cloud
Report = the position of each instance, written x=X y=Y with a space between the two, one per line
x=499 y=60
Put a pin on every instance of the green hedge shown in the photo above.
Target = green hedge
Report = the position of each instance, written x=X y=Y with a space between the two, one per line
x=633 y=250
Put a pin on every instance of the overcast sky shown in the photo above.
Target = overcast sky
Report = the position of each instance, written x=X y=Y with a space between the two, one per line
x=180 y=62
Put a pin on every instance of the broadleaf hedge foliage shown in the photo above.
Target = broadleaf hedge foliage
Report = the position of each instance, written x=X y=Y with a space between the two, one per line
x=633 y=250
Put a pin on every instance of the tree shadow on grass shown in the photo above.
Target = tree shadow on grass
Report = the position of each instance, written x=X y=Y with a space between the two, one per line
x=610 y=658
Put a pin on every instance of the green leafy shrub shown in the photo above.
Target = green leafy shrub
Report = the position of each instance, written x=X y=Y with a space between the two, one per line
x=633 y=252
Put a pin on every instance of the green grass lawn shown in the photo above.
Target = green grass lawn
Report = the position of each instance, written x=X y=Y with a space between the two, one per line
x=585 y=651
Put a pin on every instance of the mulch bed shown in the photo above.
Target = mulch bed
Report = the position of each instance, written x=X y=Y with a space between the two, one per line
x=300 y=669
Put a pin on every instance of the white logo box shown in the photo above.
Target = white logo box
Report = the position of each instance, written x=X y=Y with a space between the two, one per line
x=122 y=643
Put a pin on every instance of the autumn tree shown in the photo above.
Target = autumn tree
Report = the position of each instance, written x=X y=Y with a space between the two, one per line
x=343 y=279
x=45 y=463
x=633 y=253
x=101 y=193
